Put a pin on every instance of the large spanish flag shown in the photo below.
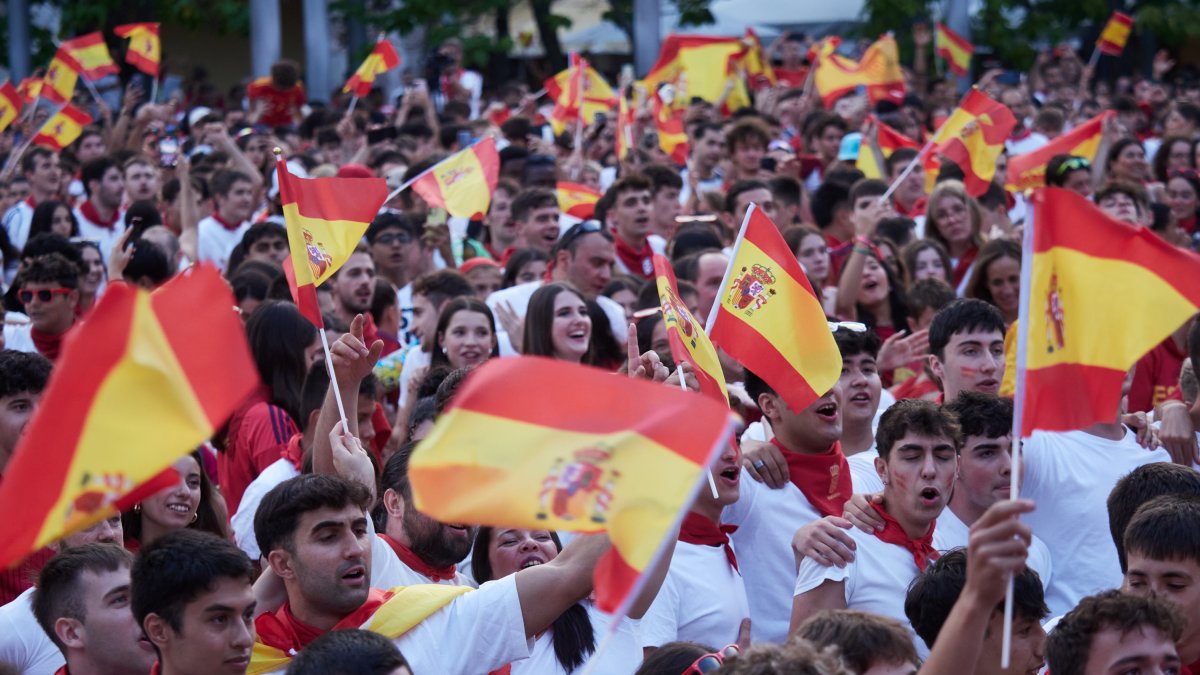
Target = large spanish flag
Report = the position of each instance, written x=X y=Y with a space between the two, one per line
x=146 y=379
x=1103 y=294
x=381 y=59
x=579 y=92
x=1115 y=34
x=61 y=130
x=689 y=342
x=878 y=70
x=1028 y=171
x=700 y=67
x=767 y=317
x=672 y=138
x=61 y=76
x=326 y=219
x=544 y=455
x=954 y=48
x=973 y=137
x=145 y=49
x=890 y=141
x=10 y=104
x=92 y=54
x=463 y=183
x=576 y=200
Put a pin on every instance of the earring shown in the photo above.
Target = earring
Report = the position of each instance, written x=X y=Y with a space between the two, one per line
x=137 y=508
x=444 y=351
x=195 y=516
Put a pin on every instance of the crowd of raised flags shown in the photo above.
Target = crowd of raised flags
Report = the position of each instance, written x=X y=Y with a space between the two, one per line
x=634 y=453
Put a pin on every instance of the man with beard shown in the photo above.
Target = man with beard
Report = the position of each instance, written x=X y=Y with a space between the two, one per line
x=354 y=286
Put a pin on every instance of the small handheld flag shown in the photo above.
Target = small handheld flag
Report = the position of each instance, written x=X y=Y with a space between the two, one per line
x=381 y=59
x=145 y=49
x=1115 y=34
x=954 y=48
x=462 y=183
x=92 y=55
x=61 y=130
x=10 y=104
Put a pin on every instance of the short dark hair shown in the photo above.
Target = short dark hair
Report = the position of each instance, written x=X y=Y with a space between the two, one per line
x=786 y=190
x=29 y=161
x=23 y=372
x=172 y=570
x=1141 y=198
x=898 y=156
x=149 y=263
x=867 y=187
x=634 y=182
x=263 y=230
x=862 y=639
x=519 y=259
x=962 y=315
x=280 y=511
x=312 y=394
x=383 y=298
x=530 y=199
x=58 y=593
x=389 y=220
x=348 y=652
x=95 y=169
x=222 y=181
x=916 y=416
x=853 y=343
x=929 y=292
x=817 y=124
x=827 y=199
x=662 y=177
x=442 y=285
x=51 y=268
x=1139 y=487
x=737 y=189
x=1068 y=645
x=981 y=414
x=747 y=130
x=1164 y=528
x=673 y=657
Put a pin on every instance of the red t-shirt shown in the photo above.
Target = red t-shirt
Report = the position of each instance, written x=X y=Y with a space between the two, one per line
x=278 y=104
x=791 y=78
x=16 y=581
x=1156 y=377
x=258 y=435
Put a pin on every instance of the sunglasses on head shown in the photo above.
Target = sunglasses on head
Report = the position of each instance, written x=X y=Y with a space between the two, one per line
x=852 y=326
x=1073 y=164
x=710 y=662
x=1187 y=174
x=43 y=294
x=578 y=230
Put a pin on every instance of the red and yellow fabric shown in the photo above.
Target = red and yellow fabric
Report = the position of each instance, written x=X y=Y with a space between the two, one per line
x=145 y=48
x=61 y=130
x=688 y=340
x=823 y=48
x=878 y=71
x=767 y=317
x=463 y=183
x=30 y=88
x=890 y=140
x=624 y=131
x=61 y=76
x=146 y=379
x=576 y=200
x=1095 y=276
x=1115 y=34
x=954 y=48
x=756 y=63
x=973 y=137
x=381 y=59
x=92 y=55
x=692 y=64
x=1028 y=171
x=326 y=219
x=578 y=91
x=672 y=138
x=10 y=104
x=544 y=455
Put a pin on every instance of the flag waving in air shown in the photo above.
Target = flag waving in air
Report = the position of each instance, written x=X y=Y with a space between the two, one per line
x=61 y=130
x=462 y=183
x=1115 y=34
x=878 y=70
x=1093 y=276
x=146 y=379
x=576 y=200
x=544 y=455
x=326 y=218
x=579 y=92
x=1028 y=171
x=145 y=50
x=890 y=141
x=61 y=77
x=954 y=48
x=668 y=120
x=973 y=138
x=92 y=55
x=688 y=340
x=767 y=316
x=10 y=104
x=381 y=59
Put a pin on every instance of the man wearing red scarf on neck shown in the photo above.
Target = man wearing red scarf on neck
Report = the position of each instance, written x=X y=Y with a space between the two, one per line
x=100 y=215
x=629 y=214
x=49 y=289
x=918 y=445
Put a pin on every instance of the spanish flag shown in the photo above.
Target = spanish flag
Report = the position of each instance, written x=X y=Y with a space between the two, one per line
x=326 y=219
x=689 y=342
x=463 y=183
x=973 y=137
x=146 y=379
x=954 y=48
x=579 y=92
x=61 y=130
x=1028 y=171
x=767 y=316
x=890 y=140
x=1115 y=34
x=10 y=104
x=30 y=88
x=756 y=63
x=61 y=76
x=625 y=124
x=92 y=55
x=145 y=49
x=381 y=59
x=878 y=71
x=1103 y=294
x=695 y=63
x=671 y=136
x=576 y=200
x=544 y=455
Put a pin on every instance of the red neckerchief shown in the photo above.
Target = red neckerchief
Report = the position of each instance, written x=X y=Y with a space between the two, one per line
x=224 y=223
x=417 y=565
x=288 y=634
x=31 y=202
x=1020 y=135
x=155 y=669
x=1191 y=669
x=918 y=207
x=823 y=479
x=697 y=529
x=64 y=671
x=507 y=255
x=49 y=346
x=636 y=260
x=1188 y=224
x=293 y=452
x=964 y=264
x=88 y=209
x=893 y=533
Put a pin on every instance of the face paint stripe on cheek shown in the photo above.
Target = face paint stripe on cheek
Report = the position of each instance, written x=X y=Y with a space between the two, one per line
x=968 y=372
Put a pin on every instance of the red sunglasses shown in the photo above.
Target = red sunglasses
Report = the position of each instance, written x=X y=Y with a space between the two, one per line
x=43 y=294
x=710 y=662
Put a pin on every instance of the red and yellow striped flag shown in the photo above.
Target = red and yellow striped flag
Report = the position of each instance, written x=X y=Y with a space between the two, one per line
x=463 y=183
x=92 y=55
x=576 y=200
x=700 y=66
x=381 y=59
x=1028 y=171
x=689 y=342
x=767 y=316
x=326 y=219
x=973 y=137
x=954 y=48
x=145 y=48
x=545 y=455
x=578 y=92
x=61 y=130
x=146 y=379
x=1103 y=294
x=30 y=88
x=890 y=140
x=10 y=104
x=624 y=131
x=1115 y=34
x=671 y=136
x=61 y=76
x=756 y=63
x=878 y=71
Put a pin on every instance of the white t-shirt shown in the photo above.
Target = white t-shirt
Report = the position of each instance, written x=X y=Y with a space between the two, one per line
x=621 y=656
x=863 y=475
x=389 y=571
x=713 y=184
x=105 y=237
x=1068 y=475
x=17 y=221
x=243 y=520
x=405 y=302
x=23 y=643
x=703 y=599
x=877 y=581
x=416 y=358
x=518 y=297
x=951 y=532
x=18 y=335
x=215 y=243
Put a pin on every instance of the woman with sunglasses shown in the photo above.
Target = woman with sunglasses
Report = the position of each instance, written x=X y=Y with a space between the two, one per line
x=1072 y=173
x=1183 y=197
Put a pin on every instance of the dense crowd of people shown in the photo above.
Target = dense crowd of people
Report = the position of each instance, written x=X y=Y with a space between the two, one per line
x=872 y=532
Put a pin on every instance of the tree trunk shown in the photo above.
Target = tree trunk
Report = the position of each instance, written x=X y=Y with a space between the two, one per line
x=548 y=35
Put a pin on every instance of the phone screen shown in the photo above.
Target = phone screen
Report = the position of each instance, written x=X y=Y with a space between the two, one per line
x=168 y=151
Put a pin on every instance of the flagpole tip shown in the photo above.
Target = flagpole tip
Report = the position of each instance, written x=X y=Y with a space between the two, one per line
x=278 y=152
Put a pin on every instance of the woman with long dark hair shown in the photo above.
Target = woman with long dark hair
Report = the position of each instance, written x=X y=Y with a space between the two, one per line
x=54 y=216
x=954 y=220
x=190 y=503
x=997 y=277
x=465 y=335
x=557 y=324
